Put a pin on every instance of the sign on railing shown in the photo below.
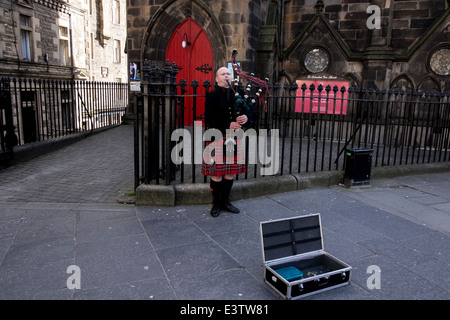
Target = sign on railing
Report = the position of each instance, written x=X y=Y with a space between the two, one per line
x=325 y=101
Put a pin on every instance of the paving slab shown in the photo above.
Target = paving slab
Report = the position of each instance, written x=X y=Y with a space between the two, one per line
x=60 y=210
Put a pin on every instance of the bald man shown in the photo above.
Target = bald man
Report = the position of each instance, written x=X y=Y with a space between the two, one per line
x=220 y=114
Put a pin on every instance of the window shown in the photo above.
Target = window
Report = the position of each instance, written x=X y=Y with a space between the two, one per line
x=116 y=11
x=29 y=112
x=66 y=111
x=440 y=62
x=105 y=72
x=64 y=46
x=25 y=37
x=116 y=51
x=118 y=95
x=316 y=60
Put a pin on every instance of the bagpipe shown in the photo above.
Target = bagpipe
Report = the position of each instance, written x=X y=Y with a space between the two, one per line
x=243 y=104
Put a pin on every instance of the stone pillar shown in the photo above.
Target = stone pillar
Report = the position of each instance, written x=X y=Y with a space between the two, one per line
x=378 y=56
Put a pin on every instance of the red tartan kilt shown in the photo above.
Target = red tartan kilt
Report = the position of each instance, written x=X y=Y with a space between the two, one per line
x=221 y=168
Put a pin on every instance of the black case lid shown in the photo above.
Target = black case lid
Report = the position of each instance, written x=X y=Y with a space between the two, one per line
x=290 y=237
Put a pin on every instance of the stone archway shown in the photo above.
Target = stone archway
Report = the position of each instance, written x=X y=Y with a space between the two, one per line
x=165 y=21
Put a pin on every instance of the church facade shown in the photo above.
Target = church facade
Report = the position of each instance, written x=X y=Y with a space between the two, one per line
x=372 y=44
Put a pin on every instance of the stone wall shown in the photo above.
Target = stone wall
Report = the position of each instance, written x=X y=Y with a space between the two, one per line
x=44 y=32
x=410 y=32
x=229 y=24
x=91 y=40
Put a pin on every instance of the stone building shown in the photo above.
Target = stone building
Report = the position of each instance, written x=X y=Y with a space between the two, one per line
x=377 y=43
x=46 y=40
x=63 y=39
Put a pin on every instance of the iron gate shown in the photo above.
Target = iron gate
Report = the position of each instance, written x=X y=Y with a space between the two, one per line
x=8 y=138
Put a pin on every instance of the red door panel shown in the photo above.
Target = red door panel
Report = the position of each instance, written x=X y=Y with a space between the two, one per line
x=195 y=58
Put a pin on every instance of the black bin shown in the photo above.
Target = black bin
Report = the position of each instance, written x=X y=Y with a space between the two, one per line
x=358 y=164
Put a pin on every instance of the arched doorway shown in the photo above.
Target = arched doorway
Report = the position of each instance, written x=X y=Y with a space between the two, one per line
x=189 y=47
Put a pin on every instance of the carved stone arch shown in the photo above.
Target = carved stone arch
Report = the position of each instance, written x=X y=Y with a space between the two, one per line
x=402 y=82
x=429 y=84
x=354 y=80
x=285 y=78
x=447 y=87
x=165 y=21
x=433 y=113
x=318 y=34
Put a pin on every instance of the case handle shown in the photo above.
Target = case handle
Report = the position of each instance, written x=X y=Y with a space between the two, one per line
x=322 y=281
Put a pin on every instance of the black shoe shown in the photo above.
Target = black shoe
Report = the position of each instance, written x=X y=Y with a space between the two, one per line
x=215 y=210
x=229 y=207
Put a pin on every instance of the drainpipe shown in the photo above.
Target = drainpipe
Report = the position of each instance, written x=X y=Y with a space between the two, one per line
x=283 y=5
x=387 y=80
x=72 y=58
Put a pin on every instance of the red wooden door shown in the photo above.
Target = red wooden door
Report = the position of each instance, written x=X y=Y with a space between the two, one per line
x=190 y=48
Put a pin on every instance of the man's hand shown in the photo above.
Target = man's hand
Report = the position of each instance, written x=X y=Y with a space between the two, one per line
x=235 y=126
x=242 y=119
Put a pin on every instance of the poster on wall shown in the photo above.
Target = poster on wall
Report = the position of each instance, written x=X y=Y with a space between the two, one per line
x=333 y=105
x=135 y=71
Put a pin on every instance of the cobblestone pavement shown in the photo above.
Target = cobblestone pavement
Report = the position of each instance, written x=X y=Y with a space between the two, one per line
x=96 y=169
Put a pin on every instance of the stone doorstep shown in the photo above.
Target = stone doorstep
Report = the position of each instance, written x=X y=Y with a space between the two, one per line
x=199 y=193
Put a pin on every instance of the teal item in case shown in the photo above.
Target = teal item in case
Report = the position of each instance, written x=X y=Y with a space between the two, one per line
x=290 y=273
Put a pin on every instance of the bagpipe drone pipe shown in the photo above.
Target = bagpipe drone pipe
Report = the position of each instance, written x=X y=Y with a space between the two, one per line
x=243 y=104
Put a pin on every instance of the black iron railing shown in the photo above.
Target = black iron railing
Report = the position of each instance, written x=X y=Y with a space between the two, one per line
x=44 y=109
x=308 y=127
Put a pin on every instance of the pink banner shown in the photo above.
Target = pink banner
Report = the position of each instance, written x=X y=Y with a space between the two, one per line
x=327 y=106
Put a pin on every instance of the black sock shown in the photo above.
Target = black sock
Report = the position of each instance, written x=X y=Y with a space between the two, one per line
x=216 y=189
x=226 y=189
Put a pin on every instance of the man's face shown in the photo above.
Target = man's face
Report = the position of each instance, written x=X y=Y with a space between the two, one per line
x=223 y=75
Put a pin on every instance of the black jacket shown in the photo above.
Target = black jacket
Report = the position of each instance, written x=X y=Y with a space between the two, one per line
x=219 y=110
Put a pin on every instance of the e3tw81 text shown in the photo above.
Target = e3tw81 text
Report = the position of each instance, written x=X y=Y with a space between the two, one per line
x=243 y=309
